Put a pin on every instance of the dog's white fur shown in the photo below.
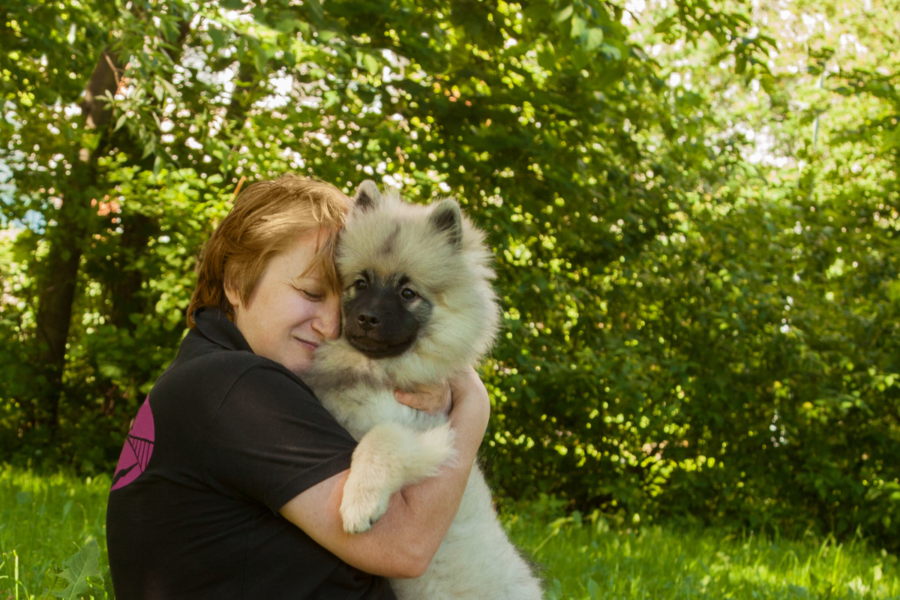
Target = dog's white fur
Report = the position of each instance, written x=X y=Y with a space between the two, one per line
x=397 y=444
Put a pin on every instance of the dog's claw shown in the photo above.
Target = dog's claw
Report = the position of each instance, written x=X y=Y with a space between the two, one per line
x=360 y=511
x=360 y=525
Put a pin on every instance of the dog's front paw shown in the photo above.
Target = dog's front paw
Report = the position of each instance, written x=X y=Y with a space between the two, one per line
x=361 y=507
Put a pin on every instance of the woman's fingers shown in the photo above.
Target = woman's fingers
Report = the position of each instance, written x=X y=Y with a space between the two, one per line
x=434 y=398
x=465 y=386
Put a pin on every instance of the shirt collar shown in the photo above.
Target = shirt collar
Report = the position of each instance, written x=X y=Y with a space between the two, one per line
x=215 y=325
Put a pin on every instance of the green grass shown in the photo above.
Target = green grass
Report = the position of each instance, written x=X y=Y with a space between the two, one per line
x=45 y=520
x=583 y=559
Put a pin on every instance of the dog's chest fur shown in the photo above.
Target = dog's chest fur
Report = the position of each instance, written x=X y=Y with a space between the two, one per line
x=360 y=395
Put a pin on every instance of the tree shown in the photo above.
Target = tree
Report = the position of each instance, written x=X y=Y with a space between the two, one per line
x=164 y=75
x=683 y=331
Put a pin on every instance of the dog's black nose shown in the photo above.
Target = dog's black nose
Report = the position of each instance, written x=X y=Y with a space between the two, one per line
x=368 y=322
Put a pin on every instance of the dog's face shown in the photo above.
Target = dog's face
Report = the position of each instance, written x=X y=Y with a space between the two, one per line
x=415 y=279
x=383 y=313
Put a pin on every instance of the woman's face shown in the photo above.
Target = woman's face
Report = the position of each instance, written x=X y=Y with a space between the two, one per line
x=288 y=314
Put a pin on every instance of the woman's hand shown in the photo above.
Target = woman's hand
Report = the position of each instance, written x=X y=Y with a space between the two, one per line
x=471 y=405
x=434 y=399
x=441 y=398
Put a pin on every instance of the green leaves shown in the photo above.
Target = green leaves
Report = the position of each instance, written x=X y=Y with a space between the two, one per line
x=74 y=580
x=564 y=14
x=593 y=39
x=217 y=36
x=579 y=26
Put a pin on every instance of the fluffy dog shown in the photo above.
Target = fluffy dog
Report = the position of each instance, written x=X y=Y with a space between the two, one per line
x=417 y=307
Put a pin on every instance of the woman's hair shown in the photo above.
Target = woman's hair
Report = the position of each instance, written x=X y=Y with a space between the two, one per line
x=266 y=219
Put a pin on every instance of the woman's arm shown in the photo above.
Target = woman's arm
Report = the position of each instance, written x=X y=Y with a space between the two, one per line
x=403 y=542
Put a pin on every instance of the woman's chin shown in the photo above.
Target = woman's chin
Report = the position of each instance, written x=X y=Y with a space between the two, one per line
x=299 y=361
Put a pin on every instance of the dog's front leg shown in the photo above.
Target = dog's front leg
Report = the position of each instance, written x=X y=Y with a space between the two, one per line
x=388 y=458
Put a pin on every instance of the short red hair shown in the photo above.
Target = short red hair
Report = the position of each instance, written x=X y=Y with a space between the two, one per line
x=266 y=219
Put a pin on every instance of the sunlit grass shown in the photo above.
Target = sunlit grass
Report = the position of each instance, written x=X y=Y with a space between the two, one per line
x=584 y=559
x=46 y=519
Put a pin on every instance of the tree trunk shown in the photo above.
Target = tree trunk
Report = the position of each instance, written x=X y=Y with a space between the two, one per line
x=124 y=285
x=66 y=238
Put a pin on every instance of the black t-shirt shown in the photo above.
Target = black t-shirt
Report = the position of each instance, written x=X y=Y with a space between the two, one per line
x=224 y=440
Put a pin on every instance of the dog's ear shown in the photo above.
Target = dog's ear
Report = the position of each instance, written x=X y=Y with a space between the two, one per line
x=367 y=195
x=446 y=217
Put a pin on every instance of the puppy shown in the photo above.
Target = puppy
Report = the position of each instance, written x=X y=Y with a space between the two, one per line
x=417 y=307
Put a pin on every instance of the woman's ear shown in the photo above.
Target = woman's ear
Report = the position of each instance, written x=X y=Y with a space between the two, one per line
x=234 y=298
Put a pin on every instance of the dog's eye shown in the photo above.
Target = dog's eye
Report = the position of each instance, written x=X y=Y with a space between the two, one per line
x=361 y=284
x=408 y=294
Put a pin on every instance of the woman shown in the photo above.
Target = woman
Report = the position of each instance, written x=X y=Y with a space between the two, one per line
x=230 y=483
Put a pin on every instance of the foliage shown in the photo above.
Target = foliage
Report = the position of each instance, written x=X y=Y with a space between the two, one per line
x=741 y=367
x=693 y=234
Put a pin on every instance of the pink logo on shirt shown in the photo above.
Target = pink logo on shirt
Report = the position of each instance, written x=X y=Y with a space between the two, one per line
x=137 y=450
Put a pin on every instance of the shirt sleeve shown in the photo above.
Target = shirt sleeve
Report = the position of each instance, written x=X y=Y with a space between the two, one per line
x=272 y=440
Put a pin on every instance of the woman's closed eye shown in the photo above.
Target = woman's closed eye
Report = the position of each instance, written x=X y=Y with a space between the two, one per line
x=313 y=295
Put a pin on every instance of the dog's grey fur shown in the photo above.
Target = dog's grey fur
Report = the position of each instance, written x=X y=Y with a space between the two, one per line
x=417 y=308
